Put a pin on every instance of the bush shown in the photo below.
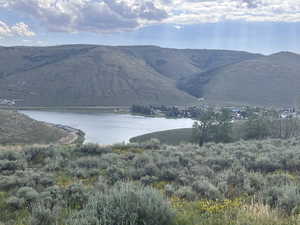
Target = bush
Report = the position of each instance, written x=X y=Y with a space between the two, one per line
x=10 y=155
x=75 y=196
x=206 y=190
x=286 y=198
x=52 y=197
x=87 y=162
x=93 y=149
x=290 y=200
x=15 y=202
x=28 y=194
x=264 y=165
x=102 y=184
x=186 y=192
x=42 y=215
x=151 y=144
x=37 y=155
x=126 y=204
x=9 y=166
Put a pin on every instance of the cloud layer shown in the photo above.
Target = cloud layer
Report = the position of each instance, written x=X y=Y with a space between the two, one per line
x=20 y=29
x=211 y=11
x=123 y=15
x=89 y=15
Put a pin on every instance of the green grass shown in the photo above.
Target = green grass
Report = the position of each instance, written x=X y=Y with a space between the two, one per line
x=170 y=137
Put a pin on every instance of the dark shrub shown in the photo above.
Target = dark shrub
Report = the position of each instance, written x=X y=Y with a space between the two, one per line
x=93 y=149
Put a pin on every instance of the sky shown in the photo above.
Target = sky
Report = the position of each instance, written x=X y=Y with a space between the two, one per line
x=261 y=26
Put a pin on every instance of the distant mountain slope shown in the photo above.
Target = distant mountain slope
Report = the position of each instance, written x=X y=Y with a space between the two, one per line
x=89 y=75
x=21 y=59
x=16 y=128
x=267 y=81
x=182 y=63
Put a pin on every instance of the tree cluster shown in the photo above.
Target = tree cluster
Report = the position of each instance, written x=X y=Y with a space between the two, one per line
x=167 y=111
x=219 y=127
x=213 y=127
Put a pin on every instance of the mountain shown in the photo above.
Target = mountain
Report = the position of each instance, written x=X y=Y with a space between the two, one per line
x=264 y=81
x=91 y=75
x=183 y=63
x=16 y=128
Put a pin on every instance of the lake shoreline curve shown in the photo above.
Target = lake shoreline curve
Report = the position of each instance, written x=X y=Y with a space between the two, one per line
x=75 y=136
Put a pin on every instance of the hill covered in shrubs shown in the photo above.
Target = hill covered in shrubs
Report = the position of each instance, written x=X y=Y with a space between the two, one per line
x=16 y=128
x=246 y=182
x=271 y=81
x=92 y=75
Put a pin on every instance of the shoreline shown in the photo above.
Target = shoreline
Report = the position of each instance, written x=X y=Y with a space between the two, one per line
x=75 y=136
x=117 y=109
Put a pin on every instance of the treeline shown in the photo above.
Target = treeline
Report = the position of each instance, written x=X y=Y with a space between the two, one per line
x=195 y=112
x=173 y=111
x=218 y=127
x=143 y=110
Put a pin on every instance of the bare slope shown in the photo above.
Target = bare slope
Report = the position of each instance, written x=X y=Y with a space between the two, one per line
x=87 y=75
x=16 y=128
x=265 y=81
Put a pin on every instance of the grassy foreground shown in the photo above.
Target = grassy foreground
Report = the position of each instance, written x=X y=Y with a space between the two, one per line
x=253 y=183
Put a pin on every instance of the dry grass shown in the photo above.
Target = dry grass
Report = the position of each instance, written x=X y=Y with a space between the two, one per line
x=18 y=129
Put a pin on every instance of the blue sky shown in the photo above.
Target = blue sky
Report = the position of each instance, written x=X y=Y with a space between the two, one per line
x=264 y=26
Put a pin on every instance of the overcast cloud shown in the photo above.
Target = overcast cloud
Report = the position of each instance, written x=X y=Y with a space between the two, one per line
x=126 y=15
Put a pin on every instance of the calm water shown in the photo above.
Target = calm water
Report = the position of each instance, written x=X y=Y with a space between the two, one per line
x=109 y=128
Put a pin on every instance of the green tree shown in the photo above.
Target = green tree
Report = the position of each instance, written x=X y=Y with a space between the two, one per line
x=223 y=128
x=213 y=127
x=257 y=127
x=202 y=128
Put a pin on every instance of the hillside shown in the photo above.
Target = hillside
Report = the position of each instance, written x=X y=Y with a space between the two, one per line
x=16 y=128
x=183 y=63
x=88 y=75
x=265 y=81
x=169 y=137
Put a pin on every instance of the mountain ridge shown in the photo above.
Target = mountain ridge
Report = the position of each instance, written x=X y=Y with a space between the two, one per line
x=97 y=75
x=264 y=81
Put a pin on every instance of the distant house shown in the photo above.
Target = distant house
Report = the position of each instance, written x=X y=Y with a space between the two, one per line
x=237 y=114
x=7 y=102
x=288 y=113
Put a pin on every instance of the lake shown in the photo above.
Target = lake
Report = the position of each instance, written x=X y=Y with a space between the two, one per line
x=108 y=128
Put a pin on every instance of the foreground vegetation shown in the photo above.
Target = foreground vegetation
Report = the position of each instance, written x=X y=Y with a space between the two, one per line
x=247 y=182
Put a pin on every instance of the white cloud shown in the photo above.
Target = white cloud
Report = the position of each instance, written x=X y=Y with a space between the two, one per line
x=123 y=15
x=89 y=15
x=20 y=29
x=212 y=11
x=178 y=27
